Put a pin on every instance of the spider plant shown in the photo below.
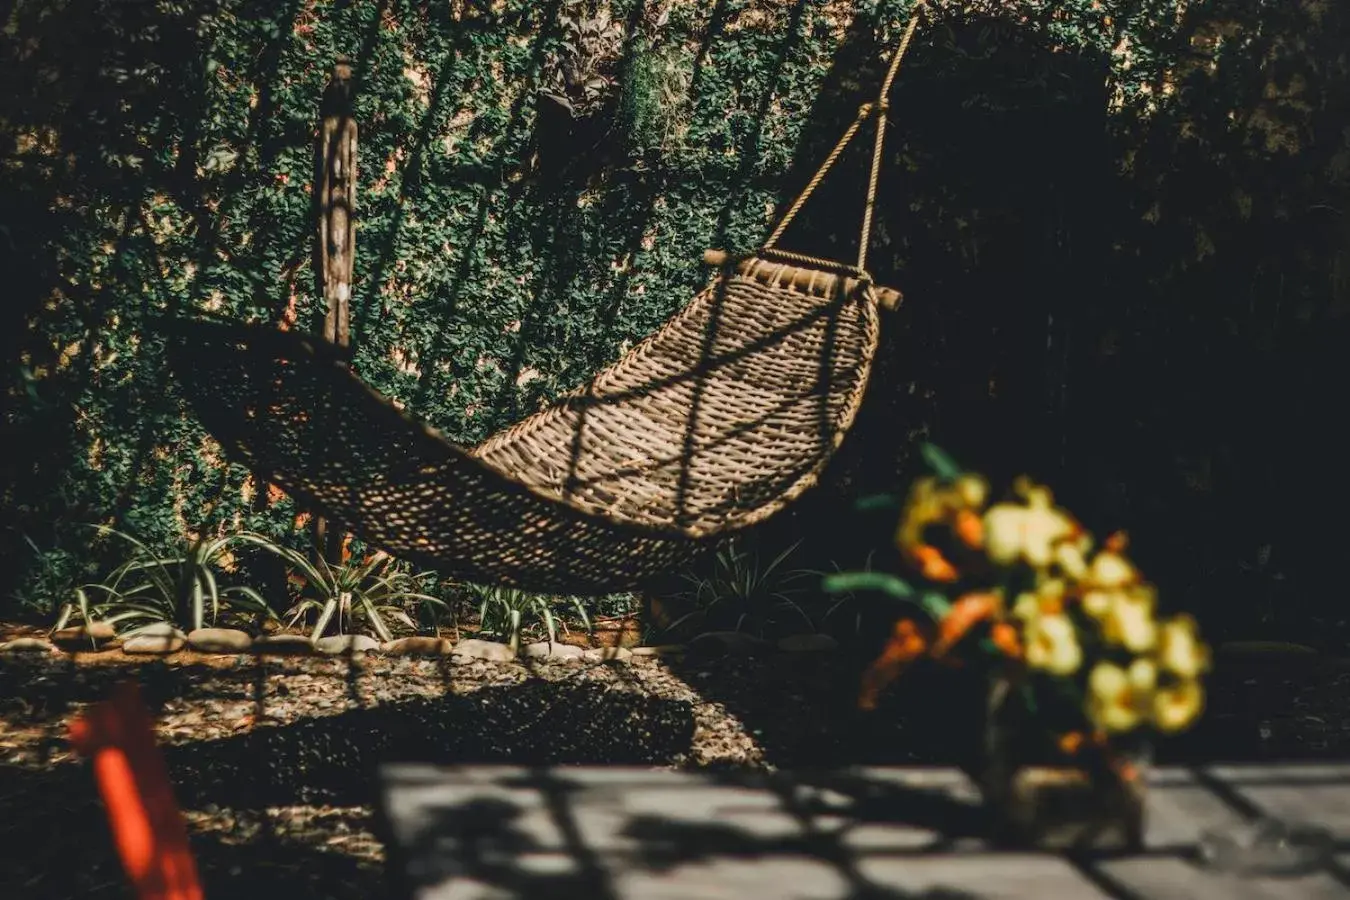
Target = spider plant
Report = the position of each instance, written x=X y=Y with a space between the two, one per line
x=503 y=612
x=54 y=570
x=757 y=596
x=375 y=589
x=151 y=587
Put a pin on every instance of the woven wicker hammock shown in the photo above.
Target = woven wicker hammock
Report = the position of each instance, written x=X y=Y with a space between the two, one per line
x=713 y=423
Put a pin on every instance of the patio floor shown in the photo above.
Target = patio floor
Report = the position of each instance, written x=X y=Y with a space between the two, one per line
x=642 y=834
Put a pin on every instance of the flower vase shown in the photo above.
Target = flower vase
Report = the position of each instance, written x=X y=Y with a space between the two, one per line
x=1041 y=798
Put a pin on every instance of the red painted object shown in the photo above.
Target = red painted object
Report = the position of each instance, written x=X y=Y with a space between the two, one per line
x=148 y=828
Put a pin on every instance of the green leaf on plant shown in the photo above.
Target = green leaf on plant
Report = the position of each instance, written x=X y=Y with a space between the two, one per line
x=935 y=605
x=943 y=466
x=877 y=502
x=883 y=582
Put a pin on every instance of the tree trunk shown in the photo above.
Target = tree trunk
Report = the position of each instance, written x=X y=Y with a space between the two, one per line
x=335 y=244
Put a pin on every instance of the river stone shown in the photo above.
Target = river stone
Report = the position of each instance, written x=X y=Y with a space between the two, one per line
x=155 y=642
x=808 y=643
x=659 y=650
x=473 y=648
x=85 y=638
x=28 y=645
x=284 y=645
x=343 y=644
x=417 y=646
x=219 y=640
x=159 y=629
x=607 y=654
x=551 y=650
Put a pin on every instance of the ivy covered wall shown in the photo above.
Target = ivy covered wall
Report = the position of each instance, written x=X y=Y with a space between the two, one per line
x=1120 y=226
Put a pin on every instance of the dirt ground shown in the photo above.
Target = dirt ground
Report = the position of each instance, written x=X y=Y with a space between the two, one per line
x=273 y=758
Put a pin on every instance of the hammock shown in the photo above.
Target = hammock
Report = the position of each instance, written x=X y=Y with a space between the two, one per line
x=715 y=422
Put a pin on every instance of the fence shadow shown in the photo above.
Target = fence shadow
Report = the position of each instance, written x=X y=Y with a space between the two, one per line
x=325 y=763
x=611 y=833
x=542 y=831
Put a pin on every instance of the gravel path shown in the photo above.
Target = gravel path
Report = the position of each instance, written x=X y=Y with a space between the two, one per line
x=272 y=757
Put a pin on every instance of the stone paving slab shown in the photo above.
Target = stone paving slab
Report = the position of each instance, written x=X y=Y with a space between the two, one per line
x=471 y=832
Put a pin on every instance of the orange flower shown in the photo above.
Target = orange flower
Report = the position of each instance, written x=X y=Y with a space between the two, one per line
x=964 y=614
x=905 y=646
x=932 y=564
x=1123 y=768
x=953 y=507
x=1005 y=637
x=1072 y=742
x=906 y=642
x=970 y=528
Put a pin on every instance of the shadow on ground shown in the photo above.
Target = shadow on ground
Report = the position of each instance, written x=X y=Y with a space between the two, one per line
x=287 y=802
x=57 y=846
x=803 y=711
x=625 y=833
x=280 y=809
x=522 y=836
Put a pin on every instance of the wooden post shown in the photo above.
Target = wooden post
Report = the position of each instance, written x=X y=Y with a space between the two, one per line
x=335 y=244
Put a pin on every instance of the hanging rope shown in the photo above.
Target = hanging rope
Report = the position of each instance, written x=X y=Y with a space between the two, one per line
x=866 y=111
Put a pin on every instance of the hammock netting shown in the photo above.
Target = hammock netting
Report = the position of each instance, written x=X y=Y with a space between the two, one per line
x=713 y=423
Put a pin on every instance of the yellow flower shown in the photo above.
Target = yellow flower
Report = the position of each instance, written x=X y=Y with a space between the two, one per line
x=1034 y=532
x=1030 y=533
x=922 y=508
x=1129 y=622
x=1034 y=494
x=1178 y=705
x=1180 y=650
x=971 y=491
x=1052 y=644
x=1118 y=698
x=1071 y=557
x=1111 y=570
x=1047 y=598
x=1109 y=578
x=1098 y=603
x=954 y=506
x=1026 y=607
x=1003 y=528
